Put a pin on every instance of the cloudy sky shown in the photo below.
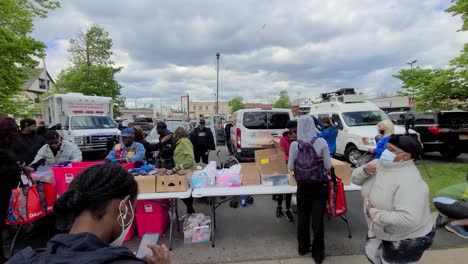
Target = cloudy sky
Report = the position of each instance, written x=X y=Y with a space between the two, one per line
x=168 y=48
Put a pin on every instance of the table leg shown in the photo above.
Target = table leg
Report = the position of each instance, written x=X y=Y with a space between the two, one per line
x=213 y=211
x=177 y=214
x=346 y=220
x=13 y=242
x=171 y=224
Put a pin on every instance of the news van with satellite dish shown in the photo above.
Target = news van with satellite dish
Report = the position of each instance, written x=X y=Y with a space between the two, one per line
x=82 y=119
x=355 y=118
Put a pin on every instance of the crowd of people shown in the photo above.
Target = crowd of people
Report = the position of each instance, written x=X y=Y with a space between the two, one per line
x=100 y=201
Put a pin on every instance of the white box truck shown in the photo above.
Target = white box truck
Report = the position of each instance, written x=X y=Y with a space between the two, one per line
x=82 y=119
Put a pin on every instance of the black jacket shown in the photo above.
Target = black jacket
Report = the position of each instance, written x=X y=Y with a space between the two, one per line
x=202 y=138
x=26 y=147
x=166 y=150
x=76 y=249
x=9 y=178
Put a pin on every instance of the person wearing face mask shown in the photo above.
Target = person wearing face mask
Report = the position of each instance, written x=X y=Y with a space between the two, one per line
x=396 y=204
x=57 y=151
x=184 y=160
x=127 y=151
x=386 y=129
x=165 y=146
x=28 y=143
x=99 y=207
x=203 y=141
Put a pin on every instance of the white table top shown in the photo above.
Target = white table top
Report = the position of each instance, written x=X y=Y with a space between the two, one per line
x=168 y=195
x=253 y=190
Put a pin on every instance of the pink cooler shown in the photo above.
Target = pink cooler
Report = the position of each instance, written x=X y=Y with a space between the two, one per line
x=152 y=206
x=65 y=175
x=131 y=232
x=152 y=223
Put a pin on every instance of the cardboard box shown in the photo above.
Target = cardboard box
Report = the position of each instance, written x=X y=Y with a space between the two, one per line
x=146 y=184
x=173 y=183
x=342 y=170
x=250 y=174
x=271 y=164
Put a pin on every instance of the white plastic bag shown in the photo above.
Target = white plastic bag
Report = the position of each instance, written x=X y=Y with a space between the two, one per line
x=230 y=177
x=204 y=178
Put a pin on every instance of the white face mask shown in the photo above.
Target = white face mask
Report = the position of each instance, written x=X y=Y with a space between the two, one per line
x=125 y=227
x=387 y=157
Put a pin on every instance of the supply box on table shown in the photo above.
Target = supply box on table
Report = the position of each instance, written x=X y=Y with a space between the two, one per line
x=250 y=174
x=342 y=170
x=173 y=183
x=272 y=166
x=146 y=183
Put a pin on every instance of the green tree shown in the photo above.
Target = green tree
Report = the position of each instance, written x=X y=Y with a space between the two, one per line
x=236 y=103
x=92 y=72
x=283 y=101
x=440 y=89
x=18 y=50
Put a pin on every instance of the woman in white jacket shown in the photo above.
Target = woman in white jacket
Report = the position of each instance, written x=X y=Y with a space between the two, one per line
x=396 y=204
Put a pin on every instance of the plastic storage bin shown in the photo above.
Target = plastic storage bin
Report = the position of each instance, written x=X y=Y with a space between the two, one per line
x=65 y=175
x=152 y=206
x=152 y=223
x=131 y=232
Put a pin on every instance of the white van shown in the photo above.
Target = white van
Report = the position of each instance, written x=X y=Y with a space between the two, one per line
x=356 y=120
x=253 y=128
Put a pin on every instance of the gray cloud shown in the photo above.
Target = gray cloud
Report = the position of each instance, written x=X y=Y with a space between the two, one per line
x=167 y=48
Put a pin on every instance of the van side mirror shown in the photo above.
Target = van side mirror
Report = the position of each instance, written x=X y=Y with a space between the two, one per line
x=339 y=126
x=58 y=126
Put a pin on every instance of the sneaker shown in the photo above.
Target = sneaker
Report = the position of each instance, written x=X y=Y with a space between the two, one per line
x=182 y=218
x=279 y=211
x=438 y=221
x=457 y=230
x=289 y=215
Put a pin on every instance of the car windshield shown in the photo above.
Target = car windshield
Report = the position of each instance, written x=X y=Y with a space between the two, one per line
x=91 y=122
x=266 y=120
x=363 y=118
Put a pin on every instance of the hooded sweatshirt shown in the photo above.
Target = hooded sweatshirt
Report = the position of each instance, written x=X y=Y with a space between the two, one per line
x=305 y=133
x=76 y=249
x=400 y=200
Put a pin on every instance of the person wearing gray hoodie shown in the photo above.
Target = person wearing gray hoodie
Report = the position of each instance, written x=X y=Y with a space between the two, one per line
x=311 y=197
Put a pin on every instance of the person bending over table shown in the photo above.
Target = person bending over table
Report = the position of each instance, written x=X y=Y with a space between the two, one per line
x=184 y=160
x=452 y=204
x=99 y=204
x=311 y=195
x=396 y=204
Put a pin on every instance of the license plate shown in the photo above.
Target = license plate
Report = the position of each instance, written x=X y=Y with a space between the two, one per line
x=463 y=137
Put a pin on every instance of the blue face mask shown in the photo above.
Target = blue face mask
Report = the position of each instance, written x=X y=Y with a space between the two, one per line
x=387 y=157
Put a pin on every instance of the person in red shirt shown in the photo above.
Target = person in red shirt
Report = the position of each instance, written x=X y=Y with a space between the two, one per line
x=285 y=142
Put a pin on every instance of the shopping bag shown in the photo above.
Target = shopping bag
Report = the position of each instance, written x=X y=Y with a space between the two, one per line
x=336 y=204
x=48 y=196
x=25 y=206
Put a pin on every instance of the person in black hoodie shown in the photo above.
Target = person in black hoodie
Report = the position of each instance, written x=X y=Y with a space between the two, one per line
x=202 y=141
x=9 y=168
x=28 y=143
x=165 y=147
x=99 y=203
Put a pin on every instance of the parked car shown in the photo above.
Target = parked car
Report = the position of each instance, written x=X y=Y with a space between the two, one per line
x=153 y=136
x=253 y=129
x=445 y=132
x=145 y=123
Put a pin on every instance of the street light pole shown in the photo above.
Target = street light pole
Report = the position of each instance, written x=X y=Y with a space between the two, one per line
x=217 y=82
x=411 y=63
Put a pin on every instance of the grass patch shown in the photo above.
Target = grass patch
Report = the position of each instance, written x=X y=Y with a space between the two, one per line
x=443 y=175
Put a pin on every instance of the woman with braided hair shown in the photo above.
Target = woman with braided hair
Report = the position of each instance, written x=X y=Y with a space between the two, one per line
x=99 y=203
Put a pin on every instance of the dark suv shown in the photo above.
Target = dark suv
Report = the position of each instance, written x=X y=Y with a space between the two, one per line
x=445 y=132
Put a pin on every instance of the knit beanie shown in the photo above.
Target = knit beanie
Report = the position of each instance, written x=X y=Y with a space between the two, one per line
x=408 y=144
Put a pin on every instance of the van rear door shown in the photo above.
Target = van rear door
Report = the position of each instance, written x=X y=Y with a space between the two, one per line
x=259 y=127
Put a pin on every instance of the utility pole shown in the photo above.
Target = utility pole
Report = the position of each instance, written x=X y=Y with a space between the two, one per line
x=217 y=82
x=188 y=106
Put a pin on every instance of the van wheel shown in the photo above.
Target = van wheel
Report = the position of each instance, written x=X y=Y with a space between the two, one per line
x=352 y=154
